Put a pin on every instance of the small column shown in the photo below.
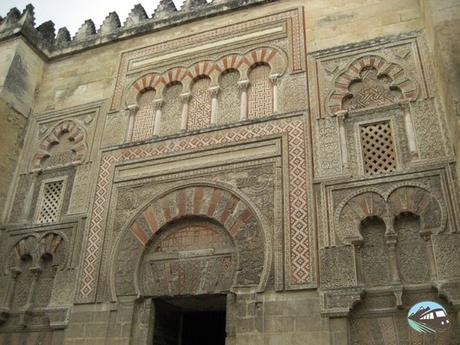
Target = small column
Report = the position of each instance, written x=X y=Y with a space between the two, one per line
x=37 y=270
x=342 y=136
x=275 y=79
x=131 y=110
x=410 y=132
x=391 y=241
x=357 y=245
x=157 y=104
x=243 y=85
x=214 y=103
x=8 y=299
x=426 y=235
x=185 y=97
x=29 y=198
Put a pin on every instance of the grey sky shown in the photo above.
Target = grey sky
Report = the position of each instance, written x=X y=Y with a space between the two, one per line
x=72 y=14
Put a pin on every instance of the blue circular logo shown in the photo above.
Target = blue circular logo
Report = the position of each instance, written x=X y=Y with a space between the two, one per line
x=428 y=317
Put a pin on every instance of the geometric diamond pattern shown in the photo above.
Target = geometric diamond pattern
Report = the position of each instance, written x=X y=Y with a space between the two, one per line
x=298 y=251
x=50 y=204
x=378 y=148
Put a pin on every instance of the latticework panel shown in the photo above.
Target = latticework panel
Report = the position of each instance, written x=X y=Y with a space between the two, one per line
x=229 y=98
x=172 y=110
x=50 y=203
x=145 y=117
x=200 y=105
x=260 y=93
x=378 y=149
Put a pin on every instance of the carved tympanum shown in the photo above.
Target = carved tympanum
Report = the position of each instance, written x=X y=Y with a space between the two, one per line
x=63 y=145
x=370 y=81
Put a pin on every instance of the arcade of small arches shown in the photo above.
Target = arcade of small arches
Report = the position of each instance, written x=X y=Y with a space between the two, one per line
x=233 y=88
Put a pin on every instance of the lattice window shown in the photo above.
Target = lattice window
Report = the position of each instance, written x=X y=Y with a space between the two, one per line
x=378 y=149
x=50 y=202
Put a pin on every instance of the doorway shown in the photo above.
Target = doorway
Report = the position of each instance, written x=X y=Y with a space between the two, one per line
x=190 y=320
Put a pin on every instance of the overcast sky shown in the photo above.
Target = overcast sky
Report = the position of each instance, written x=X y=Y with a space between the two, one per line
x=72 y=14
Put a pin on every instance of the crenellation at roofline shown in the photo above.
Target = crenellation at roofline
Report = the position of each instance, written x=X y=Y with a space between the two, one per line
x=50 y=44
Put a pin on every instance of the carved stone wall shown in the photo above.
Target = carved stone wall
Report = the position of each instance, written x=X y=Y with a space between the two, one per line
x=191 y=156
x=200 y=104
x=229 y=96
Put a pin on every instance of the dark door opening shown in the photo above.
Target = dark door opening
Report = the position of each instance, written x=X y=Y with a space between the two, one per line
x=203 y=328
x=190 y=321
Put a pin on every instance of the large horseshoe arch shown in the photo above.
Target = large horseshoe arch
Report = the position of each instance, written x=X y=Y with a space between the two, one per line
x=192 y=240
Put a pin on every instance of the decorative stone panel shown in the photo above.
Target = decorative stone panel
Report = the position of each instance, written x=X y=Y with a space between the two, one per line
x=338 y=267
x=191 y=258
x=64 y=145
x=144 y=119
x=370 y=81
x=367 y=75
x=171 y=109
x=229 y=98
x=298 y=254
x=260 y=92
x=199 y=115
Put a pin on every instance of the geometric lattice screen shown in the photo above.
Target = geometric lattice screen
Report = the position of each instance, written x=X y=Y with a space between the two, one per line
x=378 y=149
x=50 y=203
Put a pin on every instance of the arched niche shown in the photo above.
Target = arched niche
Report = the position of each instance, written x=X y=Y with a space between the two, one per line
x=199 y=115
x=353 y=211
x=412 y=256
x=421 y=202
x=370 y=81
x=241 y=245
x=374 y=258
x=144 y=118
x=171 y=109
x=260 y=91
x=229 y=96
x=65 y=144
x=32 y=266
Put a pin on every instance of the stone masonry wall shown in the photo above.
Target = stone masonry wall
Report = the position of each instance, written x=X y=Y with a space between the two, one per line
x=308 y=145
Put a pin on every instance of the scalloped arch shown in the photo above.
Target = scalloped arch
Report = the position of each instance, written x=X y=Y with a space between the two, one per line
x=76 y=134
x=352 y=72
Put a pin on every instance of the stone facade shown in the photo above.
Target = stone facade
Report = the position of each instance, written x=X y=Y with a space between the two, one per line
x=289 y=166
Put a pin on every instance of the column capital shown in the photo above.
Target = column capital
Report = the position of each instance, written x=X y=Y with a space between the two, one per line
x=132 y=108
x=15 y=271
x=243 y=85
x=214 y=90
x=158 y=103
x=275 y=78
x=185 y=97
x=341 y=114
